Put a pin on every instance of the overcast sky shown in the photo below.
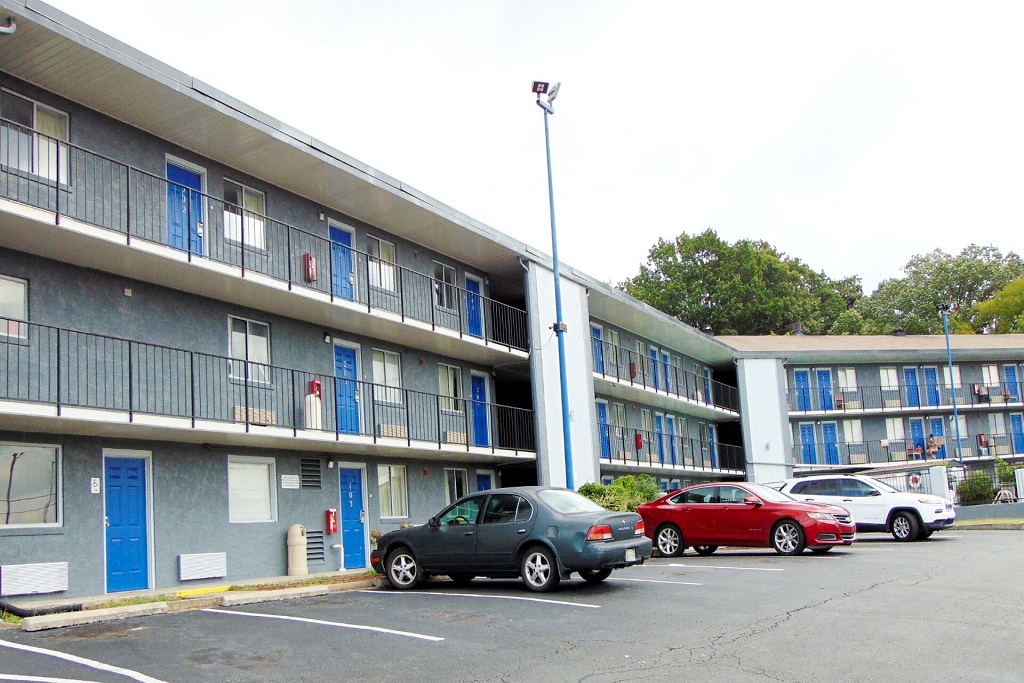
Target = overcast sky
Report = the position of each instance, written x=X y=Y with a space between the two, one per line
x=849 y=135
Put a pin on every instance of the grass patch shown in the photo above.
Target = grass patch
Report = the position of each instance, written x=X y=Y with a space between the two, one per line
x=137 y=600
x=989 y=520
x=302 y=583
x=8 y=618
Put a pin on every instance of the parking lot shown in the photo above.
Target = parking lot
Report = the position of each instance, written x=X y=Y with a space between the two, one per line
x=947 y=609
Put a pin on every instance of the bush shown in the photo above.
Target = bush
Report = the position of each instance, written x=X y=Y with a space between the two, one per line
x=975 y=489
x=624 y=494
x=1004 y=471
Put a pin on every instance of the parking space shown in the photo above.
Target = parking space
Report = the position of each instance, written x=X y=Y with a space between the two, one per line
x=737 y=615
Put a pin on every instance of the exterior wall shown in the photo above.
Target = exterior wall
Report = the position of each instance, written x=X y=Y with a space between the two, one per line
x=628 y=341
x=763 y=410
x=546 y=384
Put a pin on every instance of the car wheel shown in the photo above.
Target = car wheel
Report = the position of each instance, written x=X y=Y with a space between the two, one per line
x=595 y=575
x=538 y=569
x=904 y=526
x=705 y=549
x=788 y=538
x=821 y=551
x=924 y=533
x=403 y=571
x=461 y=579
x=670 y=541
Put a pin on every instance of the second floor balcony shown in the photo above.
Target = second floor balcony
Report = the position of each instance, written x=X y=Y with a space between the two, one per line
x=107 y=214
x=885 y=451
x=903 y=397
x=661 y=450
x=57 y=379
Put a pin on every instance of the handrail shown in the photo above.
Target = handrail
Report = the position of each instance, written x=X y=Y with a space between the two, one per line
x=628 y=445
x=883 y=451
x=903 y=396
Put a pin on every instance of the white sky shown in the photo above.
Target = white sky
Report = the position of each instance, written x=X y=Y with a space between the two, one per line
x=849 y=135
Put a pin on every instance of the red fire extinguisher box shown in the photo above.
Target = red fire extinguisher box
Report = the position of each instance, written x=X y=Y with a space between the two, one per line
x=331 y=521
x=316 y=388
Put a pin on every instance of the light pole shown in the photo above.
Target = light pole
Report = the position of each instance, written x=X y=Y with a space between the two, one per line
x=944 y=311
x=541 y=88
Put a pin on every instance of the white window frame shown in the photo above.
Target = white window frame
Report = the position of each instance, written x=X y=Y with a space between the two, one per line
x=387 y=389
x=641 y=364
x=13 y=447
x=990 y=376
x=611 y=345
x=453 y=476
x=996 y=424
x=847 y=378
x=853 y=431
x=253 y=221
x=445 y=289
x=388 y=500
x=381 y=264
x=895 y=429
x=240 y=462
x=647 y=423
x=888 y=377
x=449 y=379
x=16 y=327
x=38 y=143
x=258 y=371
x=618 y=418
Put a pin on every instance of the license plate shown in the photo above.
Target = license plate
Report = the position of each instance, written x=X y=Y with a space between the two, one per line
x=630 y=555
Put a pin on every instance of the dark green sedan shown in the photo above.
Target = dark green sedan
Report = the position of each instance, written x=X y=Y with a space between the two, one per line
x=540 y=534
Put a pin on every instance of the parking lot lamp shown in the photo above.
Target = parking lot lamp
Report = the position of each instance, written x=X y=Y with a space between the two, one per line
x=944 y=311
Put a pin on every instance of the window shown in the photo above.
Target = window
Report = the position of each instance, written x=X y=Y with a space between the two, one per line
x=894 y=428
x=990 y=375
x=732 y=494
x=641 y=361
x=450 y=381
x=29 y=485
x=956 y=376
x=465 y=512
x=848 y=379
x=391 y=487
x=13 y=307
x=704 y=494
x=387 y=377
x=456 y=484
x=889 y=378
x=244 y=209
x=252 y=496
x=646 y=423
x=611 y=346
x=381 y=263
x=619 y=418
x=30 y=141
x=854 y=488
x=250 y=341
x=996 y=424
x=445 y=286
x=852 y=431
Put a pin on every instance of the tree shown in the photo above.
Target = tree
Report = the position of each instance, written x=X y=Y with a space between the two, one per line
x=937 y=278
x=1004 y=312
x=743 y=288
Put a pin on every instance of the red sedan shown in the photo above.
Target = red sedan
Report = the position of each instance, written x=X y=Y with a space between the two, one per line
x=707 y=516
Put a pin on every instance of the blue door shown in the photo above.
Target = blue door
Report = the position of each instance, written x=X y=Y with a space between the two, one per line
x=126 y=537
x=655 y=373
x=670 y=432
x=474 y=308
x=666 y=368
x=802 y=380
x=913 y=392
x=1017 y=432
x=807 y=444
x=917 y=437
x=937 y=429
x=659 y=435
x=1012 y=387
x=353 y=535
x=484 y=482
x=342 y=273
x=824 y=389
x=595 y=336
x=713 y=443
x=829 y=436
x=708 y=398
x=184 y=209
x=931 y=386
x=481 y=433
x=602 y=429
x=347 y=387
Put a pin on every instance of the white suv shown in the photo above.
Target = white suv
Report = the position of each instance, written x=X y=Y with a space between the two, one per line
x=875 y=505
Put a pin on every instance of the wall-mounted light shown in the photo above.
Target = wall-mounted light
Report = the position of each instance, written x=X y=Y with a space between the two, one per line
x=327 y=337
x=321 y=215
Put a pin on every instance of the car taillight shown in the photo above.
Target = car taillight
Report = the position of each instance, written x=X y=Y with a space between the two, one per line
x=639 y=531
x=599 y=532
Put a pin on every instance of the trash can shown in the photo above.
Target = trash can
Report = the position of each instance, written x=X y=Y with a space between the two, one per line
x=297 y=564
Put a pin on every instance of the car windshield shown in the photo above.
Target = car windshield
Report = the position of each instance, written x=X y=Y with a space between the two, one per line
x=568 y=502
x=881 y=485
x=769 y=494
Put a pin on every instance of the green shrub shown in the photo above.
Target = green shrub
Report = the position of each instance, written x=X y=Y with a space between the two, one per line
x=624 y=494
x=1004 y=471
x=975 y=489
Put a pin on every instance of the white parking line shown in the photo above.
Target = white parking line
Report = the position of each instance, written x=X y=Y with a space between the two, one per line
x=41 y=679
x=142 y=678
x=712 y=566
x=479 y=595
x=320 y=622
x=677 y=583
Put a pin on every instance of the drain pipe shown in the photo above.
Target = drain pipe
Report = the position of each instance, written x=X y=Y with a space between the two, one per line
x=8 y=30
x=37 y=611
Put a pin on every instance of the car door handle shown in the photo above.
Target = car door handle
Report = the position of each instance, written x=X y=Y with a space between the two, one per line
x=809 y=500
x=467 y=533
x=847 y=500
x=520 y=531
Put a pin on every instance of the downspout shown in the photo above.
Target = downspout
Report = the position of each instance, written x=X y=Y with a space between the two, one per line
x=10 y=28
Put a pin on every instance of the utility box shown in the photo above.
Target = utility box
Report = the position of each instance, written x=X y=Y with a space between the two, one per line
x=297 y=563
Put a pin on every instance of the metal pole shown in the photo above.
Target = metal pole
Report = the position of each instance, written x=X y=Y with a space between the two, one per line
x=952 y=389
x=559 y=325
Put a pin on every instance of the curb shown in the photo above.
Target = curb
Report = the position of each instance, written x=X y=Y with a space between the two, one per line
x=233 y=598
x=48 y=621
x=992 y=526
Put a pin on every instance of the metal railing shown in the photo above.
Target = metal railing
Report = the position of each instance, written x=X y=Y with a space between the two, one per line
x=628 y=446
x=881 y=451
x=57 y=176
x=626 y=365
x=67 y=368
x=859 y=399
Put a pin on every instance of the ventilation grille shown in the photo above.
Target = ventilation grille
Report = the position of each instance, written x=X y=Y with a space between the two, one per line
x=315 y=547
x=202 y=566
x=29 y=579
x=311 y=473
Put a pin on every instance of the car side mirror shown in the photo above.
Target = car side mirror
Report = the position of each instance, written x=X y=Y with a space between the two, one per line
x=875 y=492
x=752 y=500
x=432 y=521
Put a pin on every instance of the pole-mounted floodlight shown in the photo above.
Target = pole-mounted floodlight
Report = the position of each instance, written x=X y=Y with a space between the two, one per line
x=944 y=312
x=542 y=88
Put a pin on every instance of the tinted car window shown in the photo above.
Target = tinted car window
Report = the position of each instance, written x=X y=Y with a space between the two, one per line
x=503 y=508
x=704 y=494
x=731 y=494
x=820 y=487
x=525 y=510
x=463 y=512
x=855 y=488
x=568 y=502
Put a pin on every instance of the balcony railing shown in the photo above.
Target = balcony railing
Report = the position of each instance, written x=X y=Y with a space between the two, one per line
x=903 y=450
x=625 y=365
x=835 y=399
x=628 y=446
x=89 y=187
x=66 y=368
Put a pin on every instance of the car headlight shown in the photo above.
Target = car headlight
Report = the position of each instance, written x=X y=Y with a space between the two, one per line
x=823 y=516
x=931 y=501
